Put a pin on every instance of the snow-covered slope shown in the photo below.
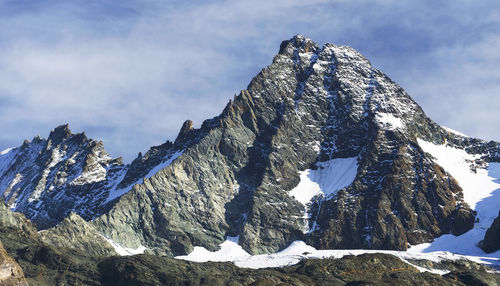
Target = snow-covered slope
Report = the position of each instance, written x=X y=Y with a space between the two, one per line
x=480 y=181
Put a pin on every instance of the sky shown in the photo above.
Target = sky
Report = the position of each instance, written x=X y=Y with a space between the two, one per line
x=130 y=73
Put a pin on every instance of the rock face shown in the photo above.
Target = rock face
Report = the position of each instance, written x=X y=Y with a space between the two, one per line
x=491 y=242
x=75 y=233
x=322 y=114
x=11 y=273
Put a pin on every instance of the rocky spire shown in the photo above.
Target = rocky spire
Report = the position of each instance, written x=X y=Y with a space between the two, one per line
x=59 y=134
x=185 y=134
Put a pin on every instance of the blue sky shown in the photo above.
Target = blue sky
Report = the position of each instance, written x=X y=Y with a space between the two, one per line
x=130 y=72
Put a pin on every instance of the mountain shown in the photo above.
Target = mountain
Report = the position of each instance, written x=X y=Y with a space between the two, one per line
x=46 y=178
x=318 y=114
x=320 y=147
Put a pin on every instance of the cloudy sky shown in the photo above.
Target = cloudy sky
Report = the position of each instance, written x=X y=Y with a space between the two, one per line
x=130 y=72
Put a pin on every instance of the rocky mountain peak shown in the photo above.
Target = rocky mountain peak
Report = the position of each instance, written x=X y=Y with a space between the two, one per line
x=59 y=134
x=185 y=134
x=298 y=44
x=315 y=109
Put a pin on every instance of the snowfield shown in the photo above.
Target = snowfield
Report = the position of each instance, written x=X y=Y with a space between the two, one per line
x=230 y=251
x=330 y=177
x=481 y=187
x=124 y=251
x=389 y=121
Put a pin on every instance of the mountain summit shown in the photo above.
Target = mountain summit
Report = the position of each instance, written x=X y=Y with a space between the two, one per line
x=320 y=147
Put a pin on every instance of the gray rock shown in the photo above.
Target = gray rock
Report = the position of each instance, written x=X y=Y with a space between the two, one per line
x=75 y=233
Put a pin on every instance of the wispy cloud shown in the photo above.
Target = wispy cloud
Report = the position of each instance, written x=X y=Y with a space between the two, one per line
x=130 y=72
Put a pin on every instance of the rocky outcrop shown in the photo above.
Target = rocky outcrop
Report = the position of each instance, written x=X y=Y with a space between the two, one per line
x=75 y=233
x=491 y=242
x=11 y=273
x=15 y=220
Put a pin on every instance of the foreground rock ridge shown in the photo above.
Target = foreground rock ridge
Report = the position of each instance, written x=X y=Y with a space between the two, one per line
x=45 y=264
x=314 y=108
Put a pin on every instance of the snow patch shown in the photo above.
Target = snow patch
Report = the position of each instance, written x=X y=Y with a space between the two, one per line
x=478 y=184
x=55 y=158
x=164 y=164
x=230 y=251
x=94 y=175
x=124 y=251
x=115 y=193
x=14 y=182
x=481 y=188
x=330 y=177
x=390 y=121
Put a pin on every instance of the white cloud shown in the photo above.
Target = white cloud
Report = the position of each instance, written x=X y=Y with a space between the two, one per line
x=131 y=73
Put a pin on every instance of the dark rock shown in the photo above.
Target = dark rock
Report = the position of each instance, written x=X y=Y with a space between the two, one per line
x=463 y=221
x=491 y=241
x=185 y=134
x=59 y=134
